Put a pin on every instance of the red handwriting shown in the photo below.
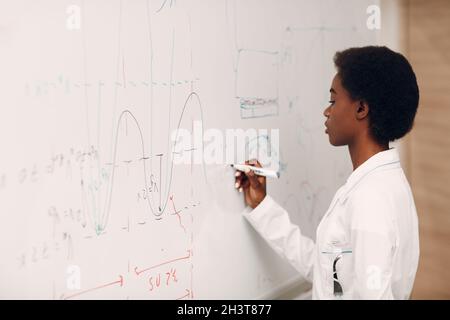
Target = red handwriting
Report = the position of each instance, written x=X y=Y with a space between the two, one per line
x=177 y=213
x=120 y=281
x=155 y=281
x=138 y=272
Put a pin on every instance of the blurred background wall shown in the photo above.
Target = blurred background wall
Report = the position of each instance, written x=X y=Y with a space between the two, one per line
x=420 y=29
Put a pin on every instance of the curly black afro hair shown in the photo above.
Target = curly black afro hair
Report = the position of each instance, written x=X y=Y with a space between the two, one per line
x=385 y=80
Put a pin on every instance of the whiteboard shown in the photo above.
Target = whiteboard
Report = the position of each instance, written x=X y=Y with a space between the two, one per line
x=92 y=205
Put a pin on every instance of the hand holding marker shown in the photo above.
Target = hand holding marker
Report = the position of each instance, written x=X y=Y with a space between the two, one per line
x=252 y=181
x=258 y=171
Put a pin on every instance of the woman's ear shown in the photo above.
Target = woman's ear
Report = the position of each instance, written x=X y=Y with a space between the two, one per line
x=362 y=110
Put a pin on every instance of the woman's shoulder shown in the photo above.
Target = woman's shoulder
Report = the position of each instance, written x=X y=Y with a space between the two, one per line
x=374 y=203
x=384 y=183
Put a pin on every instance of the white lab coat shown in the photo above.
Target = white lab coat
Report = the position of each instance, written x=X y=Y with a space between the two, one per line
x=371 y=222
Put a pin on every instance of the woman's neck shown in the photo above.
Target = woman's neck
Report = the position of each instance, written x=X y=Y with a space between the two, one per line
x=362 y=149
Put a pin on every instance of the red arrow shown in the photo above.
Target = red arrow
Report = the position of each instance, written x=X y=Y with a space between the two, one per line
x=120 y=281
x=138 y=272
x=186 y=295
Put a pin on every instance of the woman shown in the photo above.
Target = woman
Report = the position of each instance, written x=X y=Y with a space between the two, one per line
x=367 y=244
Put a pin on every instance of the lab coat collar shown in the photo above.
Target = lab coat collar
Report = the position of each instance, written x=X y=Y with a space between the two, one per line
x=383 y=158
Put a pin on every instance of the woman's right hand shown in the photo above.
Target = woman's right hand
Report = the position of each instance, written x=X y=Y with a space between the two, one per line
x=252 y=185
